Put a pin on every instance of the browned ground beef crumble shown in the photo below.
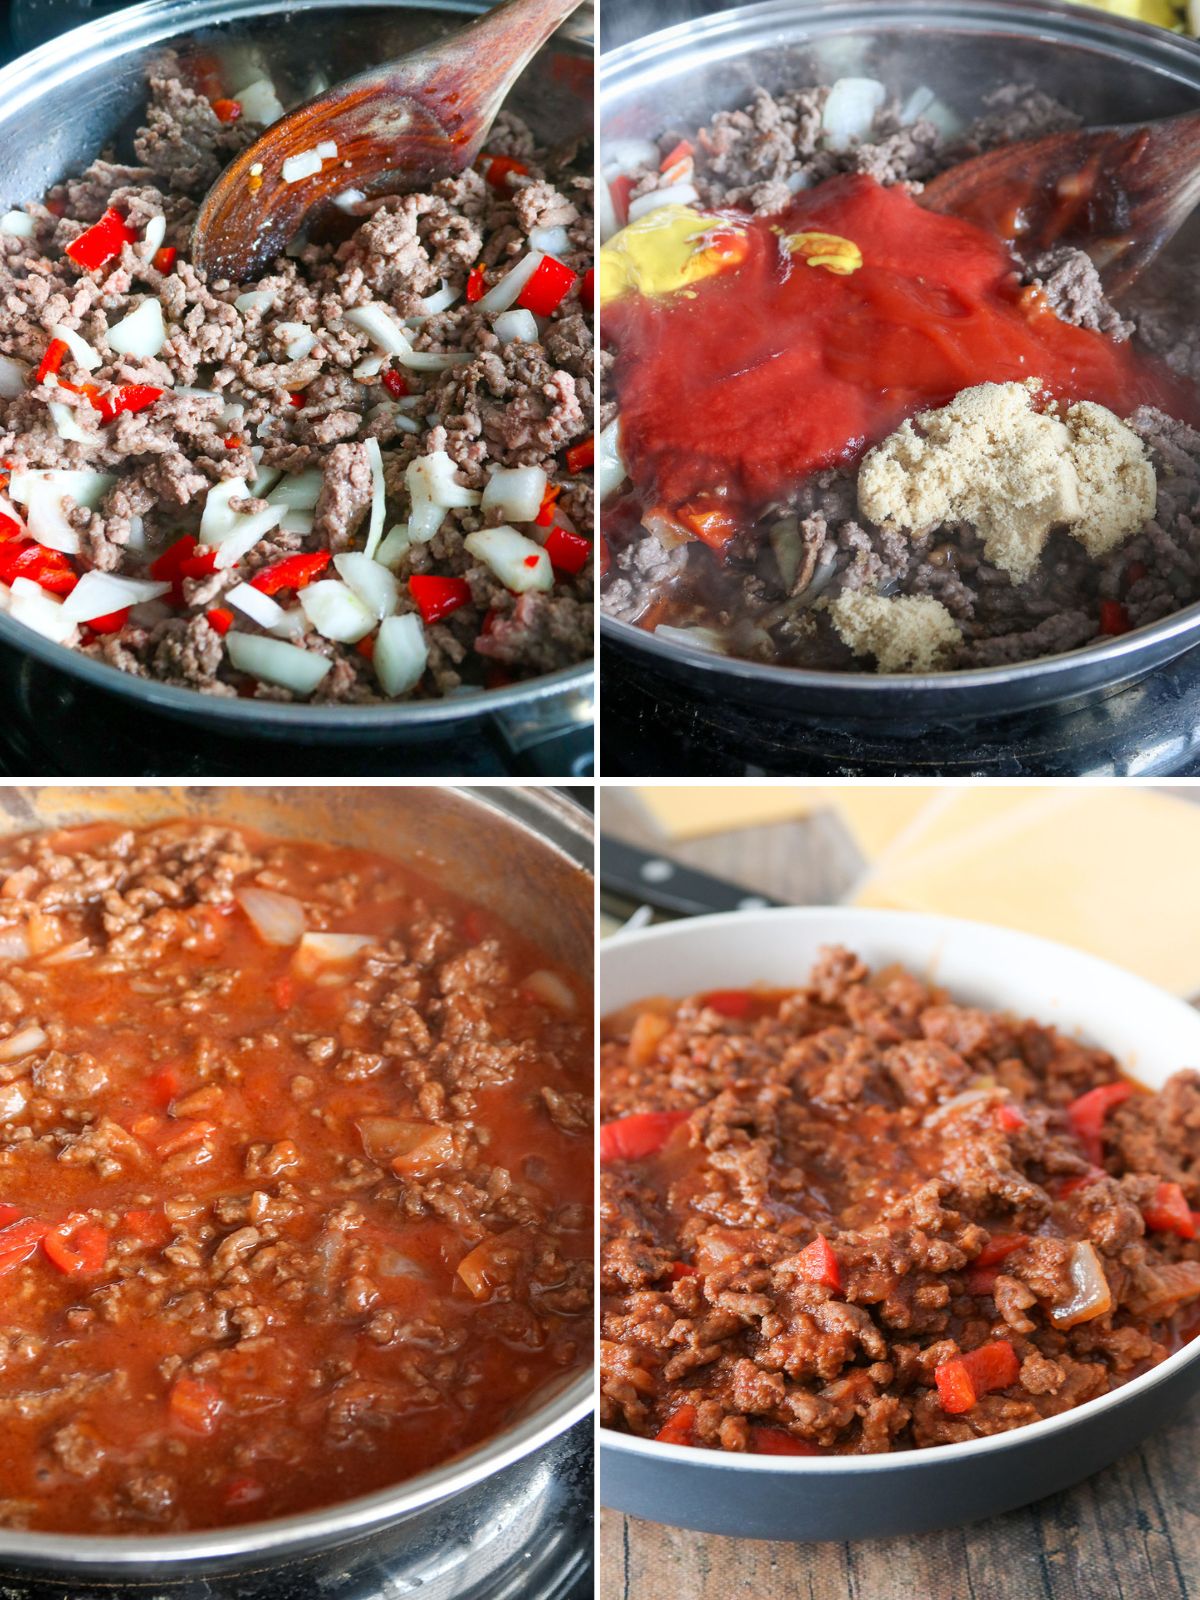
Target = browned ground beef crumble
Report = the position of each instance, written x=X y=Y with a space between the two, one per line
x=745 y=158
x=519 y=404
x=835 y=1110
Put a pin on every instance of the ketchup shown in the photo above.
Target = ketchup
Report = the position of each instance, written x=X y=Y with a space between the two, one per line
x=754 y=378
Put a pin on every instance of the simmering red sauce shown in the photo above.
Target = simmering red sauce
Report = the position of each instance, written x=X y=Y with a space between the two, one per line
x=767 y=372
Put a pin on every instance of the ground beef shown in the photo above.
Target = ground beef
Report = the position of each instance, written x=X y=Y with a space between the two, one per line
x=756 y=157
x=815 y=1201
x=260 y=407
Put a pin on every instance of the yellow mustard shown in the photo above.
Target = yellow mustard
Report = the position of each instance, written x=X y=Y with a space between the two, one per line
x=828 y=250
x=665 y=250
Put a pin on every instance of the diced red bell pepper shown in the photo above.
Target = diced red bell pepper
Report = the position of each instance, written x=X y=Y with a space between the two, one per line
x=395 y=384
x=545 y=291
x=582 y=456
x=620 y=188
x=10 y=529
x=186 y=558
x=1069 y=1186
x=298 y=400
x=999 y=1247
x=818 y=1264
x=729 y=1002
x=163 y=258
x=101 y=242
x=25 y=558
x=963 y=1379
x=680 y=1427
x=243 y=1491
x=196 y=1405
x=110 y=622
x=293 y=572
x=682 y=1269
x=982 y=1280
x=475 y=284
x=1168 y=1212
x=164 y=1086
x=56 y=207
x=1010 y=1118
x=568 y=551
x=498 y=169
x=219 y=619
x=1114 y=618
x=131 y=397
x=56 y=354
x=151 y=1227
x=8 y=1214
x=1134 y=573
x=681 y=152
x=641 y=1134
x=545 y=512
x=366 y=646
x=711 y=521
x=226 y=110
x=76 y=1247
x=18 y=1241
x=778 y=1442
x=437 y=597
x=1086 y=1116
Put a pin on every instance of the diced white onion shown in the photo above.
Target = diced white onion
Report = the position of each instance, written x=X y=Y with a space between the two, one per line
x=433 y=490
x=374 y=585
x=255 y=300
x=246 y=533
x=676 y=194
x=299 y=341
x=141 y=333
x=369 y=367
x=401 y=654
x=12 y=1100
x=378 y=491
x=394 y=546
x=293 y=624
x=14 y=944
x=66 y=425
x=259 y=102
x=19 y=224
x=265 y=479
x=319 y=950
x=957 y=1103
x=156 y=232
x=218 y=517
x=519 y=324
x=277 y=918
x=22 y=1043
x=298 y=491
x=923 y=105
x=506 y=292
x=624 y=156
x=13 y=376
x=381 y=327
x=850 y=111
x=550 y=241
x=348 y=199
x=607 y=222
x=441 y=300
x=40 y=611
x=516 y=491
x=305 y=165
x=1090 y=1295
x=519 y=563
x=85 y=356
x=611 y=470
x=98 y=593
x=259 y=607
x=275 y=661
x=336 y=612
x=301 y=522
x=698 y=638
x=42 y=493
x=548 y=986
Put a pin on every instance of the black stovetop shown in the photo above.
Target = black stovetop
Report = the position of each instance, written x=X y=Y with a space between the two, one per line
x=654 y=728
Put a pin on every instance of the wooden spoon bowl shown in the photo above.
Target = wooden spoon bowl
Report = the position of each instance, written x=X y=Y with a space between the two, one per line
x=399 y=126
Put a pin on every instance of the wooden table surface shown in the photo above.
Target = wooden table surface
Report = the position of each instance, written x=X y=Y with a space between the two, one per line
x=1129 y=1533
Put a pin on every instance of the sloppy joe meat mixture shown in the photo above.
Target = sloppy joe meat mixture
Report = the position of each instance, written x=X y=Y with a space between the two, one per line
x=859 y=1216
x=294 y=1176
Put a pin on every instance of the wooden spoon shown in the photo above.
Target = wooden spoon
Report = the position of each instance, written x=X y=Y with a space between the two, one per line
x=402 y=125
x=1118 y=193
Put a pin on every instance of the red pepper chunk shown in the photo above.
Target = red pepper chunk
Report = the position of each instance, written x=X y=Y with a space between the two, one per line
x=681 y=152
x=1010 y=1118
x=778 y=1442
x=475 y=284
x=101 y=242
x=8 y=1214
x=184 y=559
x=56 y=354
x=77 y=1247
x=679 y=1428
x=18 y=1241
x=963 y=1379
x=729 y=1002
x=394 y=383
x=1168 y=1212
x=219 y=620
x=545 y=291
x=545 y=512
x=568 y=551
x=163 y=258
x=1086 y=1116
x=293 y=572
x=620 y=188
x=1114 y=618
x=499 y=169
x=582 y=456
x=818 y=1264
x=366 y=647
x=437 y=597
x=712 y=523
x=999 y=1247
x=25 y=558
x=110 y=622
x=131 y=397
x=681 y=1269
x=641 y=1134
x=9 y=529
x=226 y=110
x=196 y=1405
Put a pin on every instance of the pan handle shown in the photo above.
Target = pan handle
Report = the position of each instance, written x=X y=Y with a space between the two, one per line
x=553 y=737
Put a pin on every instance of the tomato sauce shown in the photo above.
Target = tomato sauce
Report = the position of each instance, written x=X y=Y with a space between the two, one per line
x=752 y=379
